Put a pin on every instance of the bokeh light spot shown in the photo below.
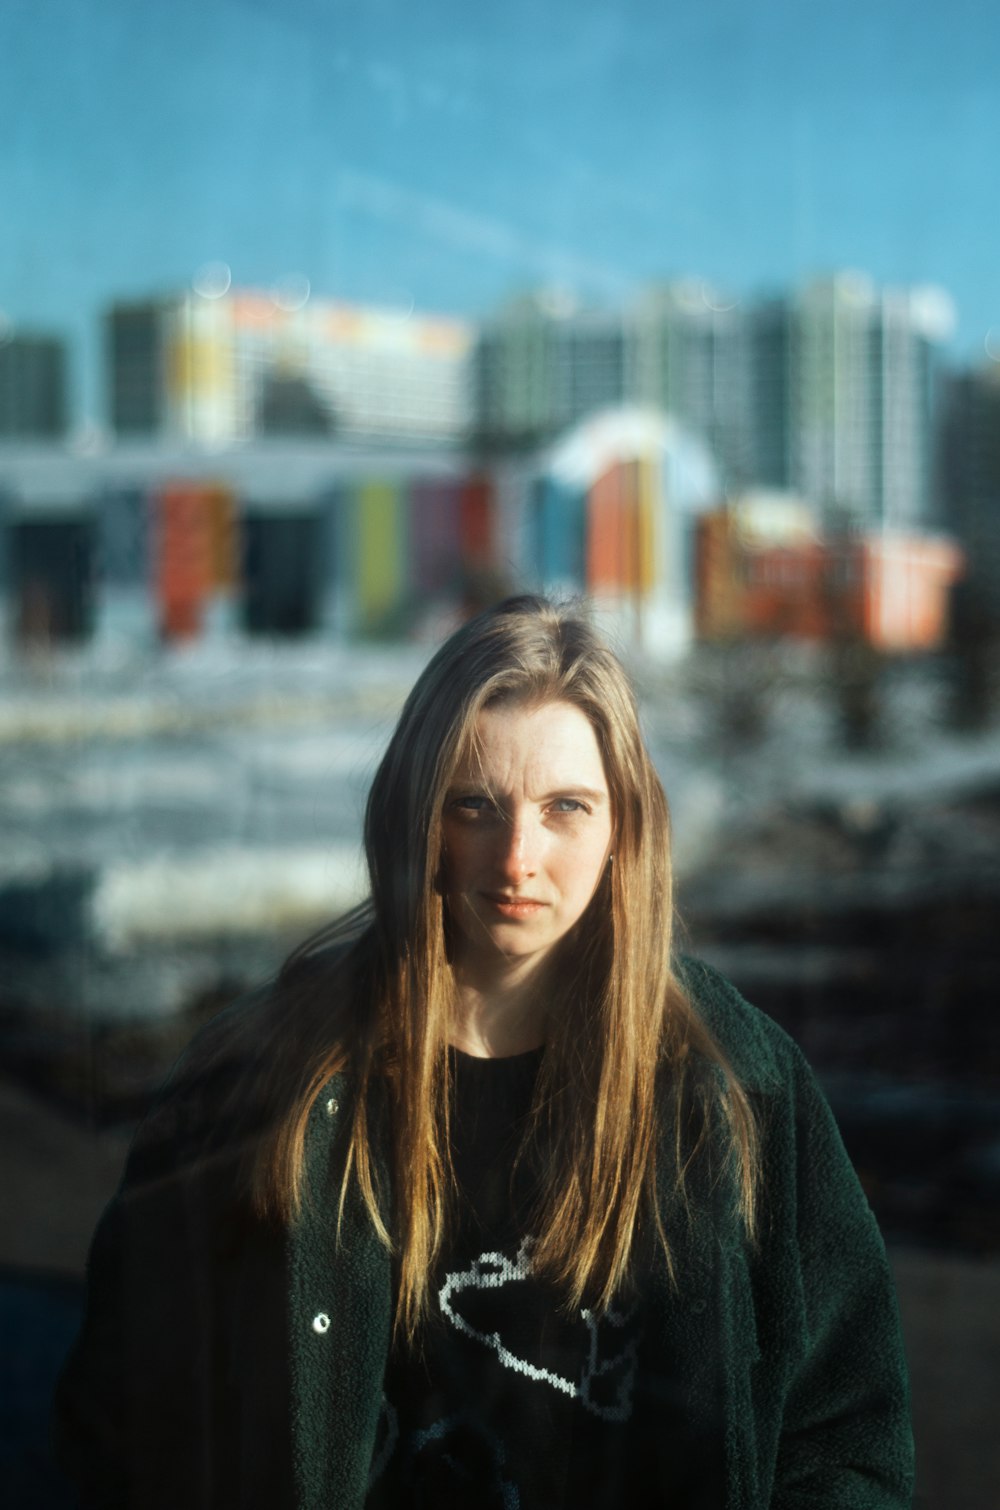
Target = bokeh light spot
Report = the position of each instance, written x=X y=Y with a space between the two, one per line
x=212 y=280
x=292 y=291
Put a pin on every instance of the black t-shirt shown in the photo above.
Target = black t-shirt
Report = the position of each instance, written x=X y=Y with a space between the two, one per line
x=508 y=1402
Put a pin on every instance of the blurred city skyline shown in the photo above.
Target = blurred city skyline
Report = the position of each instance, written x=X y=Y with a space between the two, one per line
x=447 y=162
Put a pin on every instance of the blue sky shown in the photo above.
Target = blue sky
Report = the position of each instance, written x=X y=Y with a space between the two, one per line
x=435 y=152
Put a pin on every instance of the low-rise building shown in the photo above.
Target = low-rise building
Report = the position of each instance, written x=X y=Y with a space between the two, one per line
x=241 y=365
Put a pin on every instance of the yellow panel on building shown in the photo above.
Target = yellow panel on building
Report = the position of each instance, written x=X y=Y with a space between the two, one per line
x=381 y=531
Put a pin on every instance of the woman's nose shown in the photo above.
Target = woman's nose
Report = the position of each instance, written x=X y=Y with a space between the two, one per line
x=518 y=857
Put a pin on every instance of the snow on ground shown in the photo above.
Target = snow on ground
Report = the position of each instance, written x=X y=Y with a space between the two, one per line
x=226 y=891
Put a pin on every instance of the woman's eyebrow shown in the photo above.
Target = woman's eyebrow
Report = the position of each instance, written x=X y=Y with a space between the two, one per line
x=592 y=794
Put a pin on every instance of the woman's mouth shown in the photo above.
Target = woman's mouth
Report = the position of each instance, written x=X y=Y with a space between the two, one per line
x=513 y=907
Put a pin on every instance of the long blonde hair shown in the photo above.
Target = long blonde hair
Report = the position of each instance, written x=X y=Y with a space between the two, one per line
x=373 y=994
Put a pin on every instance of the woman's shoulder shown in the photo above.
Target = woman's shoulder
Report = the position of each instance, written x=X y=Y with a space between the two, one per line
x=239 y=1069
x=212 y=1096
x=761 y=1053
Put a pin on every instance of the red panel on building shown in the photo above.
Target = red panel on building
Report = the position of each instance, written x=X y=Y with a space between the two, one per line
x=477 y=523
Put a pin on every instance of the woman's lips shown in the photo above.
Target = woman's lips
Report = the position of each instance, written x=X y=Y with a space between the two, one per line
x=514 y=907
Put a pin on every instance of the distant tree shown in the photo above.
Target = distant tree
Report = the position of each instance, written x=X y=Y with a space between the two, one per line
x=974 y=641
x=855 y=663
x=748 y=670
x=856 y=676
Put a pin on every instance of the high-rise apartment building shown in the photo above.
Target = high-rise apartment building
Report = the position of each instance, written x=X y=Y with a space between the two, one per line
x=541 y=364
x=970 y=481
x=687 y=357
x=862 y=379
x=768 y=417
x=829 y=392
x=229 y=368
x=32 y=387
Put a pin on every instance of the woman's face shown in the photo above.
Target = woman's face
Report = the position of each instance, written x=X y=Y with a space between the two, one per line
x=527 y=834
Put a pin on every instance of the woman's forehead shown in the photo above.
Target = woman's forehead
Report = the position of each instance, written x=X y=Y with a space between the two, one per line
x=552 y=743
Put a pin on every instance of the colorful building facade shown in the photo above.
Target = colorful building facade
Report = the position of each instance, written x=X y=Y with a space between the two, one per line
x=612 y=516
x=888 y=590
x=154 y=545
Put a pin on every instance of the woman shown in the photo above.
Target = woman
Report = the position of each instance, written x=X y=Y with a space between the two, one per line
x=491 y=1200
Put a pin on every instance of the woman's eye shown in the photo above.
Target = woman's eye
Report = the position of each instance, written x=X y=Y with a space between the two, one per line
x=568 y=805
x=471 y=804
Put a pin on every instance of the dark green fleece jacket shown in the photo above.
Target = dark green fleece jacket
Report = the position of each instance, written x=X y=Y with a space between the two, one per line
x=223 y=1363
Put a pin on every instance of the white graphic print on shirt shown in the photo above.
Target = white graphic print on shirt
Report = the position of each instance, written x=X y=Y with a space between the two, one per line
x=607 y=1378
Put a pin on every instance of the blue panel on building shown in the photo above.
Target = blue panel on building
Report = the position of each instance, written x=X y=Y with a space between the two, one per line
x=559 y=519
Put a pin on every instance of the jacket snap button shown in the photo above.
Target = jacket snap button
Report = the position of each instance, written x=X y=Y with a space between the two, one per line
x=698 y=1307
x=321 y=1323
x=332 y=1107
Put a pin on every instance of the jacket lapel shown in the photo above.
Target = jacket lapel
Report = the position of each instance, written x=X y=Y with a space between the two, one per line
x=340 y=1317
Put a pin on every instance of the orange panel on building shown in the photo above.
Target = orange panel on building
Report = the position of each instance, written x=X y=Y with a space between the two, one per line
x=890 y=591
x=719 y=580
x=183 y=559
x=790 y=590
x=613 y=530
x=250 y=310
